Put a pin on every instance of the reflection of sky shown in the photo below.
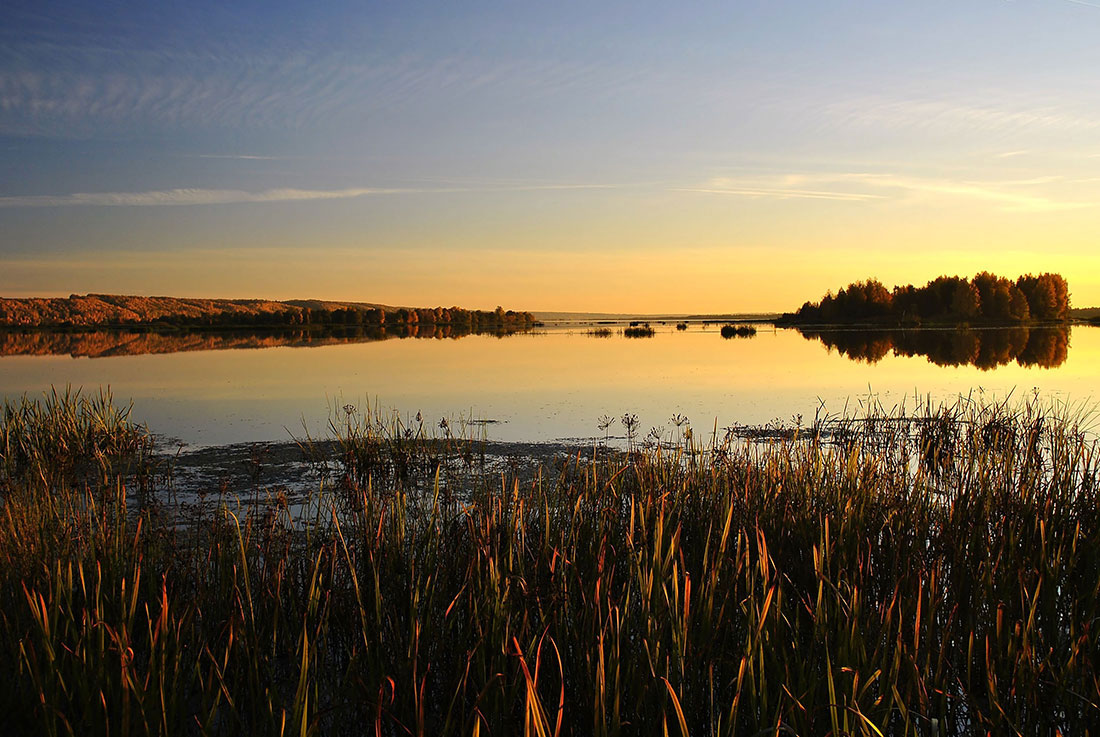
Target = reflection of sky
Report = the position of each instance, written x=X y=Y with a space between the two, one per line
x=685 y=151
x=540 y=387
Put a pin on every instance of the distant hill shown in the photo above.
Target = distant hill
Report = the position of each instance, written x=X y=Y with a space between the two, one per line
x=325 y=304
x=1084 y=313
x=107 y=310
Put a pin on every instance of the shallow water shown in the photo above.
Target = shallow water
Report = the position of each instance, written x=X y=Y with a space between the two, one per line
x=554 y=383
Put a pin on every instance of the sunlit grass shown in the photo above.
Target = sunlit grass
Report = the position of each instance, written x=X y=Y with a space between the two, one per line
x=934 y=573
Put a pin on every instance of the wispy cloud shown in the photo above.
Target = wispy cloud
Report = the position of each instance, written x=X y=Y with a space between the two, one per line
x=197 y=196
x=728 y=187
x=81 y=89
x=1002 y=114
x=1036 y=194
x=178 y=197
x=1022 y=195
x=242 y=157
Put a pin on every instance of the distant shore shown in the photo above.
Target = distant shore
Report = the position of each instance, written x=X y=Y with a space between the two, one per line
x=128 y=311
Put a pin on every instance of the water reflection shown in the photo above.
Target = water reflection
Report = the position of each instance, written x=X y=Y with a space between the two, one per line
x=1045 y=347
x=548 y=384
x=104 y=343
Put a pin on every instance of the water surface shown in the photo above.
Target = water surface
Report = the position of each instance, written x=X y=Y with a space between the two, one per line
x=556 y=383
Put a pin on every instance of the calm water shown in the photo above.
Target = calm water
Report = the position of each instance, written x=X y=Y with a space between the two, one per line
x=556 y=383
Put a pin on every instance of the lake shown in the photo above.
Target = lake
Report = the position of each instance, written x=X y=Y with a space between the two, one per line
x=551 y=384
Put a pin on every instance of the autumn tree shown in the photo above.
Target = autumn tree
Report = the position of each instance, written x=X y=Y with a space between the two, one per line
x=988 y=297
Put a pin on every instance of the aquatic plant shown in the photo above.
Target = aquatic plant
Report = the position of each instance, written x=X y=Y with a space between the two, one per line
x=832 y=581
x=738 y=331
x=67 y=435
x=639 y=331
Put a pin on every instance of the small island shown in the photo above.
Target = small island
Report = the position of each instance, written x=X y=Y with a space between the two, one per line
x=947 y=300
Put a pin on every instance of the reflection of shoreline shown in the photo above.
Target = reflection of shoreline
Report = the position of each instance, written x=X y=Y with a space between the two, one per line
x=1045 y=347
x=107 y=343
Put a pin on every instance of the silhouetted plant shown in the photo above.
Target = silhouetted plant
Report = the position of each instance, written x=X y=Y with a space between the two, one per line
x=604 y=422
x=630 y=422
x=738 y=331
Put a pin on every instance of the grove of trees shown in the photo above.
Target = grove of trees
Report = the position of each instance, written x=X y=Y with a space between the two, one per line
x=987 y=298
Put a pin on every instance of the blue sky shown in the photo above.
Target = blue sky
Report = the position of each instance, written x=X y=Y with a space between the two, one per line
x=710 y=156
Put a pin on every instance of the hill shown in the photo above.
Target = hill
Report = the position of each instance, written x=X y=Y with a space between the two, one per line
x=108 y=310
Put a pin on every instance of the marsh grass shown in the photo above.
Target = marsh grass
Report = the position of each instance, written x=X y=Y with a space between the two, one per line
x=67 y=436
x=911 y=575
x=639 y=330
x=379 y=449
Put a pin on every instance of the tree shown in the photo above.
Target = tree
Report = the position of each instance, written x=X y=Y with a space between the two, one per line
x=1047 y=295
x=965 y=302
x=1018 y=308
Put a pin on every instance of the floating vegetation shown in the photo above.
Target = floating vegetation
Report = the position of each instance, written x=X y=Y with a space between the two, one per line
x=738 y=331
x=599 y=333
x=903 y=574
x=636 y=330
x=681 y=326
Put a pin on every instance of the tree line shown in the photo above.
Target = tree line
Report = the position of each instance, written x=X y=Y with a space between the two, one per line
x=376 y=317
x=74 y=313
x=947 y=299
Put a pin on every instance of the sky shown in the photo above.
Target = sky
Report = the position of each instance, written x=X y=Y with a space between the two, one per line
x=594 y=156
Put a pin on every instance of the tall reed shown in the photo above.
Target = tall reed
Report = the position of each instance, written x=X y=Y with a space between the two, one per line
x=929 y=574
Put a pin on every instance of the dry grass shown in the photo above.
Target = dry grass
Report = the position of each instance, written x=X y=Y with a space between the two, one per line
x=931 y=575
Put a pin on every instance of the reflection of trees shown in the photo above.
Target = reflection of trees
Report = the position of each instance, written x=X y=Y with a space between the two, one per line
x=1046 y=347
x=102 y=343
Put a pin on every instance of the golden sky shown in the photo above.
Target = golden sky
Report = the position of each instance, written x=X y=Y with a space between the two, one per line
x=623 y=157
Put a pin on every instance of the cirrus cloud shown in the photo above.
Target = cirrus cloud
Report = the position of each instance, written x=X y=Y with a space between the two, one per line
x=190 y=196
x=187 y=196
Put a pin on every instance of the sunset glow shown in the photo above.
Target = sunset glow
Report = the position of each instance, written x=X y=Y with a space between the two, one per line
x=650 y=158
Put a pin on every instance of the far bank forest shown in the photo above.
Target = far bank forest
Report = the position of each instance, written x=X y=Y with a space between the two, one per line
x=950 y=300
